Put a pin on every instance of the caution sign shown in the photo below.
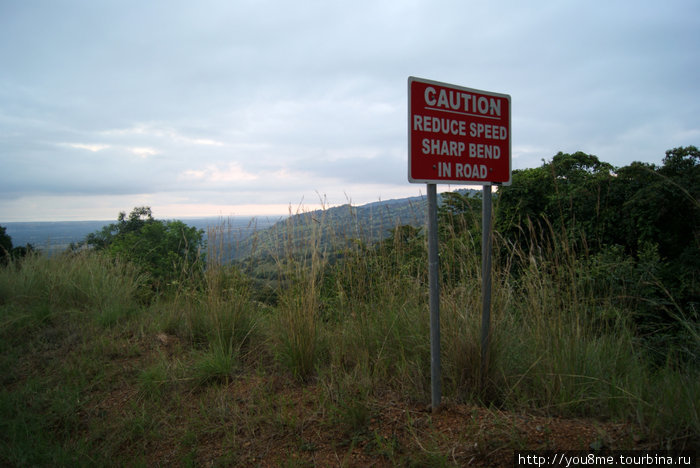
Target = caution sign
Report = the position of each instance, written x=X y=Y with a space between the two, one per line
x=457 y=135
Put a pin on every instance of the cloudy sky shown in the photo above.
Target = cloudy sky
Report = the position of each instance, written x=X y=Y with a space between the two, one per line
x=244 y=107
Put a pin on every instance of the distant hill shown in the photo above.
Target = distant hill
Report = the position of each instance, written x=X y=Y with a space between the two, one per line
x=51 y=236
x=337 y=226
x=239 y=237
x=56 y=236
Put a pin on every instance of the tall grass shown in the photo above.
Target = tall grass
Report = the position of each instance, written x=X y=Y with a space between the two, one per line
x=218 y=319
x=353 y=317
x=378 y=322
x=109 y=289
x=49 y=309
x=562 y=342
x=300 y=271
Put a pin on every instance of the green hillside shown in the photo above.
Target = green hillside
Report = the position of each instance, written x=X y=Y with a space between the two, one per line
x=338 y=226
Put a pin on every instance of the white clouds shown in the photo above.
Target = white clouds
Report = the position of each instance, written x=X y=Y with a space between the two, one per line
x=155 y=131
x=140 y=151
x=224 y=104
x=143 y=152
x=87 y=146
x=217 y=175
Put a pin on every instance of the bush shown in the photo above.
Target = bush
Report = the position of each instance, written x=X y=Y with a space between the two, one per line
x=168 y=251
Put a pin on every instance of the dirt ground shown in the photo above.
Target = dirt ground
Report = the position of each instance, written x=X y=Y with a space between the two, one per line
x=295 y=430
x=258 y=419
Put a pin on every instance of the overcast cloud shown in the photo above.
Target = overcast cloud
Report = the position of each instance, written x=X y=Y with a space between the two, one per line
x=245 y=107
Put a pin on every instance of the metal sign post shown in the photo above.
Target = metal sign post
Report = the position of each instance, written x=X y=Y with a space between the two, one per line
x=486 y=245
x=434 y=299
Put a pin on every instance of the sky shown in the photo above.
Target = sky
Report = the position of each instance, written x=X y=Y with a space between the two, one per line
x=241 y=108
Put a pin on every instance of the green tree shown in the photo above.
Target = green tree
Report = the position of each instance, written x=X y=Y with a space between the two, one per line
x=649 y=214
x=5 y=246
x=571 y=192
x=660 y=207
x=8 y=252
x=167 y=250
x=459 y=212
x=459 y=227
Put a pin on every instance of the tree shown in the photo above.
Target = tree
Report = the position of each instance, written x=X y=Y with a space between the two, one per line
x=649 y=214
x=571 y=192
x=8 y=252
x=459 y=212
x=662 y=206
x=5 y=246
x=166 y=250
x=138 y=218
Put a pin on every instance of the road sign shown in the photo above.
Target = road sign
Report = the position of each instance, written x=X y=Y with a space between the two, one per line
x=457 y=135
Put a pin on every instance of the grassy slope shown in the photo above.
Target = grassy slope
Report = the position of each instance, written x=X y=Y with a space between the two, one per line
x=94 y=372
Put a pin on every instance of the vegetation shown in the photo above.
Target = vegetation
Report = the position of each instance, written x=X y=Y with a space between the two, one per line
x=166 y=250
x=342 y=224
x=318 y=353
x=8 y=252
x=637 y=227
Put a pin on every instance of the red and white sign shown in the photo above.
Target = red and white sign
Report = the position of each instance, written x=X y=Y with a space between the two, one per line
x=457 y=135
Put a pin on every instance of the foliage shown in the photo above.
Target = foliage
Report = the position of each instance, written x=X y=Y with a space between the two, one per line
x=341 y=226
x=571 y=192
x=8 y=252
x=167 y=250
x=661 y=207
x=459 y=225
x=651 y=213
x=459 y=212
x=5 y=245
x=108 y=289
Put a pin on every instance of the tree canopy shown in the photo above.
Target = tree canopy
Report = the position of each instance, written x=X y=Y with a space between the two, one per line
x=164 y=249
x=641 y=213
x=631 y=206
x=5 y=245
x=8 y=252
